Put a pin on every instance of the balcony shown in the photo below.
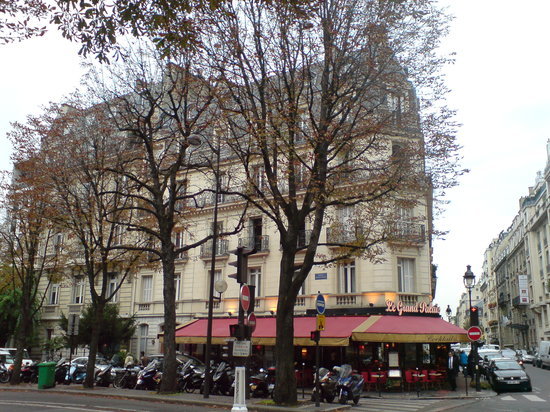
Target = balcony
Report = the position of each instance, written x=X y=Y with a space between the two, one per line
x=407 y=232
x=259 y=243
x=221 y=248
x=339 y=235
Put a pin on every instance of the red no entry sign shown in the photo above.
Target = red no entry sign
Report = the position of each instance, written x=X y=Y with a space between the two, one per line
x=245 y=297
x=251 y=322
x=474 y=333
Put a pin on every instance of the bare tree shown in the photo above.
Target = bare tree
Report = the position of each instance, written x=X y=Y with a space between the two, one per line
x=79 y=149
x=324 y=118
x=162 y=108
x=28 y=233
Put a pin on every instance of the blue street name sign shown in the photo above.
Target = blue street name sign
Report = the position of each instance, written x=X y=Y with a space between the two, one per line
x=320 y=304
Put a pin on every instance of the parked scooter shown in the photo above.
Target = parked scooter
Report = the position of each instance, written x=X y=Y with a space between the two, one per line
x=76 y=374
x=149 y=377
x=259 y=386
x=222 y=380
x=61 y=370
x=29 y=372
x=349 y=385
x=4 y=374
x=104 y=377
x=190 y=377
x=327 y=382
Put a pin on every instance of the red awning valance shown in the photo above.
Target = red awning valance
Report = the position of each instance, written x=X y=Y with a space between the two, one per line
x=337 y=331
x=412 y=329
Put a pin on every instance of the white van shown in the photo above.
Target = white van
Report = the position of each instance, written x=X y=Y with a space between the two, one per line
x=26 y=358
x=544 y=353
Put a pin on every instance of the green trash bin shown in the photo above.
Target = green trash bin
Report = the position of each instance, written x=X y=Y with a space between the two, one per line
x=46 y=375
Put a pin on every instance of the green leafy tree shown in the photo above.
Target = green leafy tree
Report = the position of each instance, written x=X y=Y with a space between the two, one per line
x=9 y=313
x=116 y=330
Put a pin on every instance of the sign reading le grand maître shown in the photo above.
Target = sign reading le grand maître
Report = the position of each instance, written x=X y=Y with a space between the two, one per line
x=401 y=308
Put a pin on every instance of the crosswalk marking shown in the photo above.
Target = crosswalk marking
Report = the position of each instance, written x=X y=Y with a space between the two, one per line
x=392 y=405
x=508 y=398
x=534 y=398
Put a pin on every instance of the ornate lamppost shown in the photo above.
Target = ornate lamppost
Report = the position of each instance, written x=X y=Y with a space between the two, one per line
x=469 y=282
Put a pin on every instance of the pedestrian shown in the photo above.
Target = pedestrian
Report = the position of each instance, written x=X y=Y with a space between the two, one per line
x=144 y=360
x=129 y=361
x=453 y=366
x=464 y=362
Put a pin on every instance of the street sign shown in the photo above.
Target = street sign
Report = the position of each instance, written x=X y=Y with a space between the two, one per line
x=320 y=322
x=251 y=321
x=241 y=348
x=320 y=304
x=474 y=333
x=245 y=297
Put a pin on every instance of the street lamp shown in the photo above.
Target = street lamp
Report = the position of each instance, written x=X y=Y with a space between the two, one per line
x=220 y=286
x=449 y=313
x=469 y=282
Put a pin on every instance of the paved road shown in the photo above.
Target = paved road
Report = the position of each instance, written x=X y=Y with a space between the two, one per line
x=395 y=405
x=54 y=402
x=536 y=401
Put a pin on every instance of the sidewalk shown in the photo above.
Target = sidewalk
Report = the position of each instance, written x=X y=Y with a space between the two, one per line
x=254 y=404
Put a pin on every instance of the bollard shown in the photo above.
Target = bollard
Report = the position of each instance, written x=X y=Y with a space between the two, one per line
x=239 y=399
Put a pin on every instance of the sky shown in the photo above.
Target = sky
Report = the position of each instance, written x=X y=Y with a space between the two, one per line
x=500 y=88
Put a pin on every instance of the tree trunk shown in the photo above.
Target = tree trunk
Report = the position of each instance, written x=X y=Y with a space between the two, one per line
x=94 y=343
x=284 y=347
x=168 y=383
x=24 y=330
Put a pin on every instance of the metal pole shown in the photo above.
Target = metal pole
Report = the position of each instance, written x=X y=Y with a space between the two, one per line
x=317 y=381
x=208 y=372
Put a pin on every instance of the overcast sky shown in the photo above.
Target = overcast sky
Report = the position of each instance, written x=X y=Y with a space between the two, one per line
x=501 y=89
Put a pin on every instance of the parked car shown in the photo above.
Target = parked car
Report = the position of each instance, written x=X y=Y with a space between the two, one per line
x=506 y=374
x=100 y=362
x=509 y=353
x=487 y=357
x=525 y=357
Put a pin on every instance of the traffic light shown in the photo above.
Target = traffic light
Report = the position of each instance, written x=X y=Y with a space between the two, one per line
x=242 y=266
x=474 y=316
x=238 y=331
x=315 y=335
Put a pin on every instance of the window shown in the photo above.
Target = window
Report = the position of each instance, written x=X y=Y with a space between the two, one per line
x=217 y=276
x=255 y=279
x=147 y=288
x=178 y=243
x=143 y=335
x=303 y=287
x=258 y=176
x=405 y=274
x=58 y=242
x=177 y=284
x=112 y=286
x=347 y=278
x=54 y=294
x=78 y=290
x=117 y=235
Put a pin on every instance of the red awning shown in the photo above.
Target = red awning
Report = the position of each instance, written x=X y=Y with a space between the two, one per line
x=337 y=331
x=412 y=329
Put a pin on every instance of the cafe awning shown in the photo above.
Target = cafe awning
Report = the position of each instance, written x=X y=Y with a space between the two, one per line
x=337 y=331
x=410 y=329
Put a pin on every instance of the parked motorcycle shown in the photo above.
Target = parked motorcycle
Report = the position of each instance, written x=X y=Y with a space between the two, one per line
x=259 y=386
x=4 y=374
x=104 y=377
x=222 y=379
x=327 y=382
x=29 y=372
x=149 y=377
x=76 y=374
x=349 y=385
x=190 y=377
x=61 y=370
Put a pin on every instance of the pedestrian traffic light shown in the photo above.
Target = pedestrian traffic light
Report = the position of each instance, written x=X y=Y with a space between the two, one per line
x=474 y=316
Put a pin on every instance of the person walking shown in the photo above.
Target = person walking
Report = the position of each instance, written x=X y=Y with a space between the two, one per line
x=464 y=362
x=453 y=366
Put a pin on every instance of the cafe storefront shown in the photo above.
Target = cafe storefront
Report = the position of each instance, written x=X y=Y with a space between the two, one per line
x=398 y=339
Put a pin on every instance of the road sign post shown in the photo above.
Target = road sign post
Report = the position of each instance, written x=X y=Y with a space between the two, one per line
x=320 y=306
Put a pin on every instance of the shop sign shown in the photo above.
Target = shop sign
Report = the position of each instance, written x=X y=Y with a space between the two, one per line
x=401 y=308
